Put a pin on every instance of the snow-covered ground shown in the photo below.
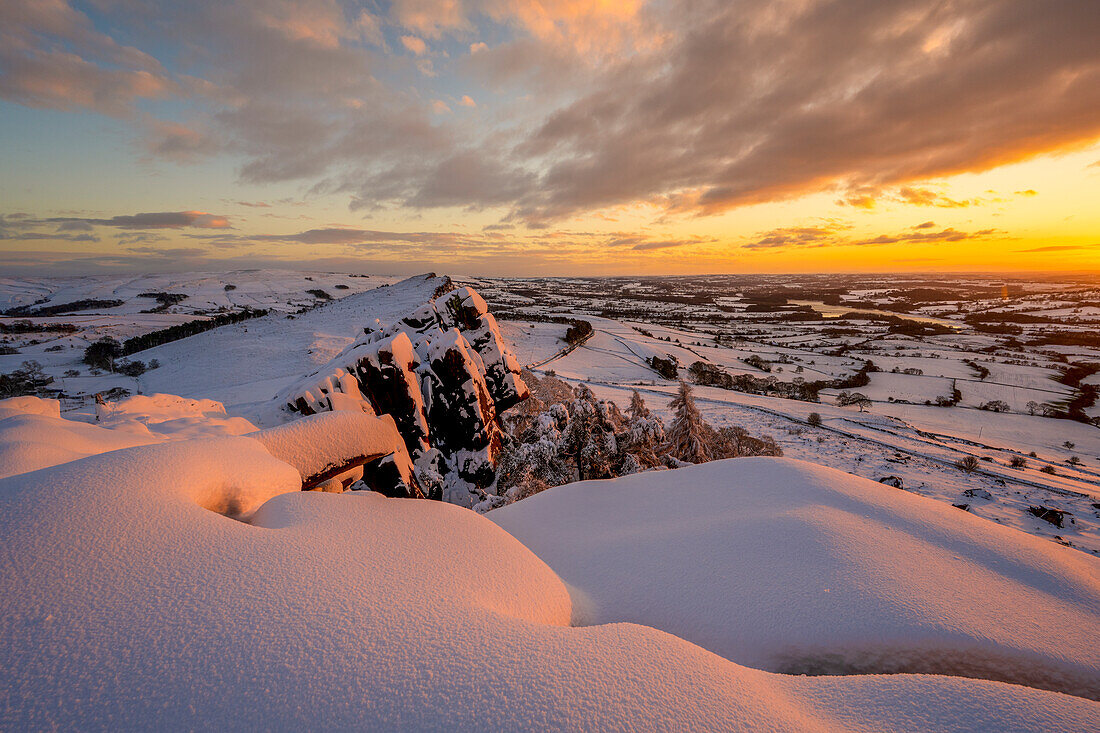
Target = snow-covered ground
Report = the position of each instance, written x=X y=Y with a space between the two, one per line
x=664 y=601
x=207 y=294
x=162 y=568
x=898 y=435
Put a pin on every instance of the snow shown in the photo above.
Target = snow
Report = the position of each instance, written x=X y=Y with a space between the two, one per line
x=791 y=567
x=28 y=405
x=29 y=442
x=125 y=602
x=171 y=417
x=311 y=443
x=161 y=567
x=245 y=365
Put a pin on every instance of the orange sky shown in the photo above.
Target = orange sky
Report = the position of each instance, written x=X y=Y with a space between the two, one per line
x=551 y=136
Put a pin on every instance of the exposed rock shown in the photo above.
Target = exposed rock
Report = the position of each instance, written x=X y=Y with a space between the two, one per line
x=894 y=481
x=978 y=494
x=444 y=374
x=1054 y=516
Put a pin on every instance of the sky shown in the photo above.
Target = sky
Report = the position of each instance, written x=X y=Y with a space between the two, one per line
x=550 y=137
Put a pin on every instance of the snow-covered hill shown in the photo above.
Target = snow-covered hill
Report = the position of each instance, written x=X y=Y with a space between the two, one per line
x=127 y=601
x=162 y=567
x=916 y=443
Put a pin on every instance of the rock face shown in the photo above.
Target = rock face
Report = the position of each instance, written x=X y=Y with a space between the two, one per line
x=444 y=374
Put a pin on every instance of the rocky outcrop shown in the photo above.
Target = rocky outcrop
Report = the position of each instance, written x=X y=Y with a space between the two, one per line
x=444 y=374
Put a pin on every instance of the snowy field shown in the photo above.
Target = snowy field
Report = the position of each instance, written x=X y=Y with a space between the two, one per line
x=899 y=433
x=161 y=566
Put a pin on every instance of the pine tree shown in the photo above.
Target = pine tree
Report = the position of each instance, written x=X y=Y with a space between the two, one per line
x=687 y=436
x=637 y=409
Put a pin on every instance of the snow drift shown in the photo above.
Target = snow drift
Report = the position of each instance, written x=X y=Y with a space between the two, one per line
x=793 y=567
x=126 y=603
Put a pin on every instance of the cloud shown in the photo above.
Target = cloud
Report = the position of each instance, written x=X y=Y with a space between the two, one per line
x=668 y=243
x=692 y=107
x=467 y=101
x=928 y=197
x=944 y=235
x=158 y=220
x=815 y=94
x=797 y=236
x=177 y=142
x=832 y=234
x=1059 y=248
x=414 y=44
x=51 y=56
x=430 y=17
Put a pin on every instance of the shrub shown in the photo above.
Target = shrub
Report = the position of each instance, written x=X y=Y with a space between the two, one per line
x=1048 y=469
x=132 y=368
x=967 y=465
x=667 y=368
x=1018 y=462
x=814 y=420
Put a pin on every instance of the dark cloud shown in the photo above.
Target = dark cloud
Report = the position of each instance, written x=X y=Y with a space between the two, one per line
x=158 y=220
x=758 y=100
x=133 y=228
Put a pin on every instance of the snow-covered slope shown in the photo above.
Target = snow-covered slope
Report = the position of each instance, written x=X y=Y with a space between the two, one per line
x=284 y=290
x=1027 y=462
x=789 y=566
x=245 y=365
x=126 y=604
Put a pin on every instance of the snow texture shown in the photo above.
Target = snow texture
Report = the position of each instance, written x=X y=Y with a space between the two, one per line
x=127 y=601
x=318 y=445
x=793 y=567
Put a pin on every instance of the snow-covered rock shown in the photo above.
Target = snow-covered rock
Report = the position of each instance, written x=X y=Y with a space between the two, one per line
x=127 y=601
x=444 y=374
x=336 y=446
x=789 y=566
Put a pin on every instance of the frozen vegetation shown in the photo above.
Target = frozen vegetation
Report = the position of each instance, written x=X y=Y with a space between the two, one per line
x=711 y=511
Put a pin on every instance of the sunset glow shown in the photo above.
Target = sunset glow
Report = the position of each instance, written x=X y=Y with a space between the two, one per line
x=553 y=137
